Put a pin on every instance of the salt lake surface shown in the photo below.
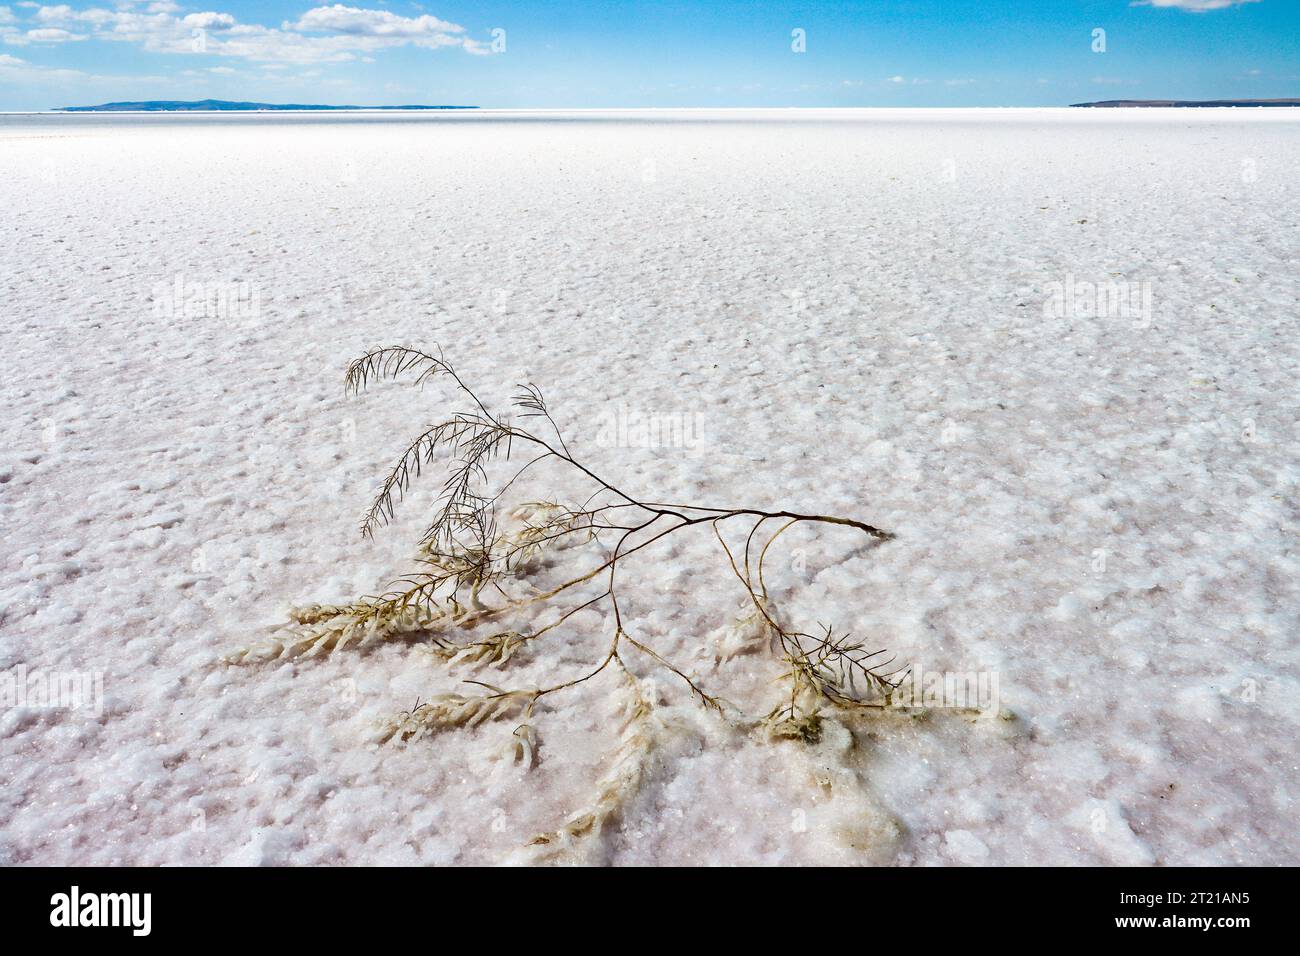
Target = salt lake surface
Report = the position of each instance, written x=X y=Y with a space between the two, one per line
x=1054 y=351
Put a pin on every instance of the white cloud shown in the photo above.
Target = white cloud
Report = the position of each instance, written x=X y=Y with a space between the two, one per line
x=321 y=35
x=374 y=23
x=16 y=70
x=7 y=15
x=208 y=21
x=39 y=35
x=65 y=14
x=51 y=35
x=60 y=14
x=1191 y=6
x=895 y=79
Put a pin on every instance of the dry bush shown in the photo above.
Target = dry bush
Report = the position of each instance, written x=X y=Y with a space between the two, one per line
x=469 y=572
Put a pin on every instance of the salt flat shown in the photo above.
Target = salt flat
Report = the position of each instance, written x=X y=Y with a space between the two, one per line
x=849 y=312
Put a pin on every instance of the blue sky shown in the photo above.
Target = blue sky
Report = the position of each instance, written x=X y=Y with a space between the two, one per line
x=547 y=53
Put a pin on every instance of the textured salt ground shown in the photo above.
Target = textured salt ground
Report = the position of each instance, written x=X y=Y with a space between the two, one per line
x=853 y=305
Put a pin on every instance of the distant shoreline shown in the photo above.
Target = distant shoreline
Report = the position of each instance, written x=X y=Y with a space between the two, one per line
x=229 y=106
x=1187 y=103
x=145 y=109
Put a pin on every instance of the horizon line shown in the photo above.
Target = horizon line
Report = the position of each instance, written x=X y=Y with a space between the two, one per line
x=415 y=108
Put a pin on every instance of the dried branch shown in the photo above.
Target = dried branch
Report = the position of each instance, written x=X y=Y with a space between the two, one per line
x=469 y=572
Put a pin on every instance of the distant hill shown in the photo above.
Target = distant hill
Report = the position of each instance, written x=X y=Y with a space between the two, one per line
x=225 y=106
x=1290 y=102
